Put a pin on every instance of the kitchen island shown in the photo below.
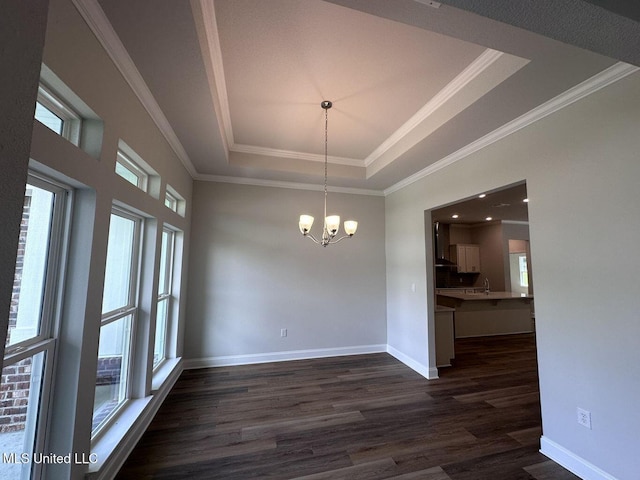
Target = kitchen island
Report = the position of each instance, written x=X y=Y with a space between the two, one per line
x=494 y=313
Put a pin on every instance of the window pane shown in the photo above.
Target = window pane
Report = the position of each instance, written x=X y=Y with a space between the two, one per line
x=524 y=274
x=164 y=282
x=113 y=358
x=120 y=250
x=49 y=119
x=127 y=174
x=171 y=202
x=161 y=331
x=31 y=265
x=19 y=404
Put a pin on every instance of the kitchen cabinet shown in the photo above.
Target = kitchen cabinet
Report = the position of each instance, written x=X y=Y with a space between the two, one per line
x=444 y=336
x=466 y=257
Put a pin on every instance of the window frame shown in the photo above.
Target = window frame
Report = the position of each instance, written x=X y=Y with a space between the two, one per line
x=71 y=120
x=50 y=314
x=131 y=309
x=167 y=291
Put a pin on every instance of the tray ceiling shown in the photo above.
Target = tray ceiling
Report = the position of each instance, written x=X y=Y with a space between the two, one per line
x=240 y=83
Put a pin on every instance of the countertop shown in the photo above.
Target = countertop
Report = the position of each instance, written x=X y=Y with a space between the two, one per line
x=442 y=308
x=486 y=296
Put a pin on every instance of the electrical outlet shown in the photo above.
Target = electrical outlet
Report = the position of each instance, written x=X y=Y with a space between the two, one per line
x=283 y=332
x=584 y=418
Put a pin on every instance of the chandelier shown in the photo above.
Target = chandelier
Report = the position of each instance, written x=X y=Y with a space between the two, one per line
x=331 y=222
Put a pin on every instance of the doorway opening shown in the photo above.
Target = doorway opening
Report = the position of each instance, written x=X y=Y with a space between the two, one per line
x=482 y=271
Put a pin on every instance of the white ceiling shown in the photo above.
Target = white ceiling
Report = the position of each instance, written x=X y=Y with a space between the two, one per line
x=240 y=83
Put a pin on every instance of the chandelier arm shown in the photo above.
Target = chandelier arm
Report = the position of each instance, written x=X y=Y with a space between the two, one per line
x=341 y=238
x=309 y=235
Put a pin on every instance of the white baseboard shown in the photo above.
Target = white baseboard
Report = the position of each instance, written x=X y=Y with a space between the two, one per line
x=572 y=462
x=425 y=371
x=230 y=360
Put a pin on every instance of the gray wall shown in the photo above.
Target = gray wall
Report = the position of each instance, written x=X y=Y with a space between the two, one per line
x=75 y=56
x=252 y=274
x=581 y=167
x=22 y=27
x=492 y=257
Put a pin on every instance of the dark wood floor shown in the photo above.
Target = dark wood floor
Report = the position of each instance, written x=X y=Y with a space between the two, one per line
x=360 y=417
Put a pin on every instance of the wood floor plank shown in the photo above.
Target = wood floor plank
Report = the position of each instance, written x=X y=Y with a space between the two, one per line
x=298 y=424
x=354 y=417
x=435 y=473
x=366 y=471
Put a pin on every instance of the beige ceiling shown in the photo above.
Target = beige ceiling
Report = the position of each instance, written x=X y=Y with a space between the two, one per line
x=505 y=204
x=240 y=83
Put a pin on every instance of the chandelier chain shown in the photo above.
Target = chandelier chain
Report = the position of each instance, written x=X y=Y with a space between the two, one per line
x=326 y=136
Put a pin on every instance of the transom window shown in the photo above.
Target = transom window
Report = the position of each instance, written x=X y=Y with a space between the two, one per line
x=131 y=171
x=57 y=115
x=171 y=202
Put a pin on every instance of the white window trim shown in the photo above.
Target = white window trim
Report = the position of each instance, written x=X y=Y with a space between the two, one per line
x=71 y=121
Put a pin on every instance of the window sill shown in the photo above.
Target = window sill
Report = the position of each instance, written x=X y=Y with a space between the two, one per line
x=113 y=446
x=165 y=371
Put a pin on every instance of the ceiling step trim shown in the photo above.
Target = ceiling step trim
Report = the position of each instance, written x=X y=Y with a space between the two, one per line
x=282 y=184
x=475 y=68
x=97 y=21
x=599 y=81
x=204 y=16
x=312 y=157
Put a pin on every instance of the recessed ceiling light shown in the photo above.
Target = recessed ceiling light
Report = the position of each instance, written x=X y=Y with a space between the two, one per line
x=526 y=200
x=489 y=218
x=455 y=215
x=482 y=195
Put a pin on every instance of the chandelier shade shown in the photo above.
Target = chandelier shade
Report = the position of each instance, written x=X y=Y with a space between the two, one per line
x=331 y=225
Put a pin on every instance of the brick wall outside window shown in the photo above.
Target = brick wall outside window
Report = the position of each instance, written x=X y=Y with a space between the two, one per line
x=14 y=391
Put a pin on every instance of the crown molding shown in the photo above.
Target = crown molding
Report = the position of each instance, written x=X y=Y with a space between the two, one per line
x=312 y=157
x=281 y=184
x=475 y=68
x=599 y=81
x=97 y=21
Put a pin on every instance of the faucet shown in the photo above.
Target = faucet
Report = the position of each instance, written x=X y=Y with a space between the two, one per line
x=486 y=285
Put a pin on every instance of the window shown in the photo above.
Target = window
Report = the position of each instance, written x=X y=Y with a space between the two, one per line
x=31 y=337
x=119 y=308
x=59 y=117
x=174 y=201
x=524 y=274
x=171 y=202
x=164 y=296
x=131 y=172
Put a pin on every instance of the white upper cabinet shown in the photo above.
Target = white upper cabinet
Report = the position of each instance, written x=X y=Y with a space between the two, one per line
x=466 y=257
